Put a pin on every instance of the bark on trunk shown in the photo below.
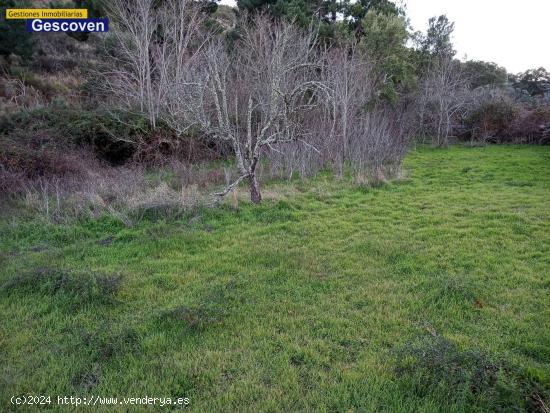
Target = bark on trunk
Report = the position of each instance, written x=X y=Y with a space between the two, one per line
x=255 y=195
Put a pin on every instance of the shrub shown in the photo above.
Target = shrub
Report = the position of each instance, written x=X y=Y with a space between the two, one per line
x=533 y=125
x=497 y=116
x=492 y=120
x=114 y=136
x=48 y=88
x=34 y=162
x=501 y=120
x=111 y=135
x=32 y=159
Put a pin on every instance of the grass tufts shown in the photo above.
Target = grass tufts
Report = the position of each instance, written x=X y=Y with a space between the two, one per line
x=189 y=318
x=436 y=367
x=77 y=287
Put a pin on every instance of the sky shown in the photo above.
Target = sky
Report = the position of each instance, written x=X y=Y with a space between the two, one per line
x=513 y=34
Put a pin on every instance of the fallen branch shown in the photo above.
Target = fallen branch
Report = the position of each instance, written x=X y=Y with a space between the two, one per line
x=218 y=196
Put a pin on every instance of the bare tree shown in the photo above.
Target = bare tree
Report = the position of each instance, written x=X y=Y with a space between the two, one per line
x=272 y=92
x=379 y=138
x=256 y=95
x=351 y=82
x=369 y=134
x=444 y=94
x=352 y=127
x=153 y=46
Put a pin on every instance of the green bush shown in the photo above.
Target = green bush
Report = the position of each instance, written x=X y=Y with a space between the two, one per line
x=112 y=135
x=14 y=38
x=492 y=120
x=504 y=121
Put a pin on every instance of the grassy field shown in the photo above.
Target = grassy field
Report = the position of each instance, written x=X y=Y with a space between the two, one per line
x=427 y=294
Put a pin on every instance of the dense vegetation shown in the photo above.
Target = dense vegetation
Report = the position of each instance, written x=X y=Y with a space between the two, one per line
x=427 y=294
x=73 y=106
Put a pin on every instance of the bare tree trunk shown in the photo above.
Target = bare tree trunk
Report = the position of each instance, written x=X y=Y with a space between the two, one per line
x=255 y=195
x=345 y=115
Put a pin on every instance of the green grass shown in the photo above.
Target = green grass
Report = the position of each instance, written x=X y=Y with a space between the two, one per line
x=427 y=294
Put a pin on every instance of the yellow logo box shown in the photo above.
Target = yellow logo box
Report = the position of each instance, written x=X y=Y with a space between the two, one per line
x=46 y=13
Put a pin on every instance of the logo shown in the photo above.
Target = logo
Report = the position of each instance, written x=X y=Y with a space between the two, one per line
x=46 y=14
x=68 y=25
x=59 y=20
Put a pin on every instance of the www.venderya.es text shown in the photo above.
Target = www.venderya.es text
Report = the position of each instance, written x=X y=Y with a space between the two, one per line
x=98 y=400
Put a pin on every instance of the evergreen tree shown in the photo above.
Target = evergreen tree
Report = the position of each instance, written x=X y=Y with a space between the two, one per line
x=14 y=38
x=384 y=39
x=534 y=82
x=482 y=73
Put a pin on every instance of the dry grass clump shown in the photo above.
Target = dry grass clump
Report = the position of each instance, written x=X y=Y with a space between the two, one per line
x=127 y=193
x=63 y=186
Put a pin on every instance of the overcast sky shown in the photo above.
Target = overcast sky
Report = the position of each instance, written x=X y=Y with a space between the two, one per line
x=514 y=34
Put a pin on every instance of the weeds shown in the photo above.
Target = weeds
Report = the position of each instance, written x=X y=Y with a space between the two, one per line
x=102 y=345
x=437 y=367
x=78 y=288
